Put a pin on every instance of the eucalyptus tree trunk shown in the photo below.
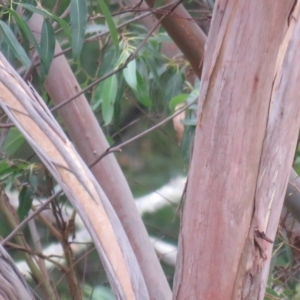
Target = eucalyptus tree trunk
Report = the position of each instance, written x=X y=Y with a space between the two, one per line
x=245 y=139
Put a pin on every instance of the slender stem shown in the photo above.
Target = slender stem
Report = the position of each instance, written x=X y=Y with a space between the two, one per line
x=118 y=148
x=25 y=221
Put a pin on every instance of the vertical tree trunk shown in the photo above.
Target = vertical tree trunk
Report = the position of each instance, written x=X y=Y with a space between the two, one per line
x=240 y=149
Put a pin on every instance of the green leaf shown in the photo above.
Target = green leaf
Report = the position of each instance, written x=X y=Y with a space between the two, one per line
x=25 y=202
x=109 y=94
x=174 y=85
x=177 y=100
x=142 y=93
x=78 y=15
x=63 y=24
x=119 y=98
x=108 y=61
x=13 y=141
x=288 y=292
x=187 y=142
x=5 y=169
x=110 y=23
x=96 y=293
x=130 y=75
x=47 y=47
x=26 y=30
x=190 y=122
x=7 y=52
x=193 y=96
x=13 y=43
x=23 y=27
x=26 y=14
x=97 y=100
x=34 y=182
x=271 y=292
x=156 y=70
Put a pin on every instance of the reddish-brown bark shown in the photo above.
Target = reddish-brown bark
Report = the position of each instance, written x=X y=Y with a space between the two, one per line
x=235 y=102
x=187 y=35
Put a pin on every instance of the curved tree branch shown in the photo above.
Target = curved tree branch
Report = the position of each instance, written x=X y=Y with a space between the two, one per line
x=12 y=284
x=90 y=142
x=29 y=113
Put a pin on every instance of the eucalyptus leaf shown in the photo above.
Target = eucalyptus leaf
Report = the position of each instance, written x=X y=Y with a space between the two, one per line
x=142 y=93
x=187 y=142
x=177 y=100
x=192 y=97
x=26 y=30
x=25 y=202
x=174 y=85
x=190 y=122
x=33 y=181
x=97 y=100
x=63 y=24
x=13 y=43
x=98 y=292
x=109 y=61
x=110 y=23
x=151 y=63
x=108 y=97
x=130 y=74
x=5 y=169
x=7 y=52
x=47 y=47
x=78 y=15
x=13 y=141
x=119 y=97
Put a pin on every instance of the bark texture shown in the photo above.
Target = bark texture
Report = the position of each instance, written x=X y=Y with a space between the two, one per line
x=226 y=220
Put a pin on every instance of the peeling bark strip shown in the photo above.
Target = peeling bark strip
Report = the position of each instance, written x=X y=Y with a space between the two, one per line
x=243 y=151
x=277 y=155
x=12 y=284
x=47 y=139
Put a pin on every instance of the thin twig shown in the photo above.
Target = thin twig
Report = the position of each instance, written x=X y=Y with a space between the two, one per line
x=118 y=148
x=25 y=221
x=8 y=125
x=125 y=127
x=39 y=254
